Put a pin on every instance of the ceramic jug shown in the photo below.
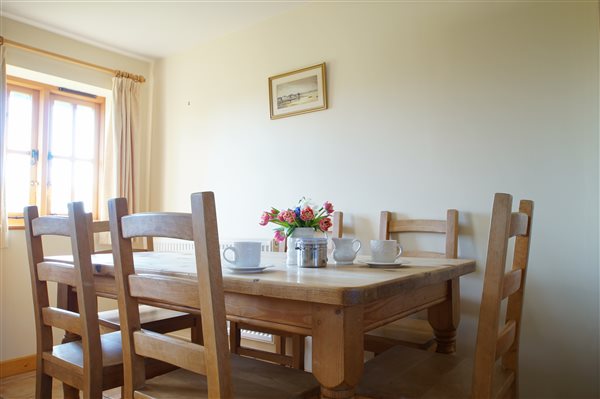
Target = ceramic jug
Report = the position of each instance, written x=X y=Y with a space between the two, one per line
x=345 y=250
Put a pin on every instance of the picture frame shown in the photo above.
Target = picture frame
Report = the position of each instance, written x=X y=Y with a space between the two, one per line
x=298 y=92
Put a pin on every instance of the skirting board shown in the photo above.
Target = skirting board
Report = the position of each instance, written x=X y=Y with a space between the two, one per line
x=16 y=366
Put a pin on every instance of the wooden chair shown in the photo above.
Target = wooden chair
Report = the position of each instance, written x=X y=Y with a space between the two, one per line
x=296 y=358
x=406 y=372
x=413 y=332
x=94 y=362
x=207 y=370
x=152 y=318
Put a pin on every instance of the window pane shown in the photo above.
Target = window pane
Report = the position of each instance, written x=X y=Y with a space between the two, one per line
x=62 y=128
x=20 y=112
x=17 y=182
x=60 y=184
x=84 y=132
x=83 y=183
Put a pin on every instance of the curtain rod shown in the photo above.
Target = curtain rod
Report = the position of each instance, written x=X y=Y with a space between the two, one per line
x=114 y=72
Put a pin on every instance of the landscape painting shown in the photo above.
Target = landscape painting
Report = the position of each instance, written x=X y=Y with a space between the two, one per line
x=298 y=92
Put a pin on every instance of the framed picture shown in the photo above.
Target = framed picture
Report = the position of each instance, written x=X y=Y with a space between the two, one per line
x=298 y=92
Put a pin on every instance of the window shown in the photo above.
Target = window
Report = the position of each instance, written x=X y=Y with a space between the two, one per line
x=53 y=146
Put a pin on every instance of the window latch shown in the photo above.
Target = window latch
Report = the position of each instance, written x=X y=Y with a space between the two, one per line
x=35 y=156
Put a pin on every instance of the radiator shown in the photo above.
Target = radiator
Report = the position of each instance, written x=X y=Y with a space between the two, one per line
x=173 y=245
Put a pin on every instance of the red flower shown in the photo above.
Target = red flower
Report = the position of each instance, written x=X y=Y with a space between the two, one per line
x=325 y=224
x=307 y=214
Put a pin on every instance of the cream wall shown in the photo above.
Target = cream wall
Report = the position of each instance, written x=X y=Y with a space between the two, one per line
x=432 y=106
x=17 y=335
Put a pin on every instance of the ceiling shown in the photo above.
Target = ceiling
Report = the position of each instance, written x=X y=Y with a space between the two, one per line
x=144 y=29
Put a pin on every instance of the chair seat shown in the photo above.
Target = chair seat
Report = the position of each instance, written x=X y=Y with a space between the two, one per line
x=404 y=372
x=251 y=379
x=72 y=352
x=151 y=318
x=65 y=362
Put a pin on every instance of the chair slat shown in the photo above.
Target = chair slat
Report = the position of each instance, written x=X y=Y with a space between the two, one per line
x=169 y=224
x=417 y=226
x=512 y=282
x=518 y=224
x=506 y=338
x=100 y=226
x=164 y=289
x=63 y=319
x=423 y=254
x=51 y=225
x=57 y=272
x=171 y=350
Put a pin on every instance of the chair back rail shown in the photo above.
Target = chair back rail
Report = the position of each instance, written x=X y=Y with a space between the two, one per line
x=495 y=341
x=211 y=358
x=167 y=225
x=449 y=227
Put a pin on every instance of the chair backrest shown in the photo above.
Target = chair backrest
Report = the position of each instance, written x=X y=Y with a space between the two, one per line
x=210 y=359
x=337 y=230
x=79 y=275
x=449 y=227
x=103 y=226
x=493 y=342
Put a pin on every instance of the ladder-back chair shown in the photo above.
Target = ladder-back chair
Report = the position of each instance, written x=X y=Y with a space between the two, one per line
x=93 y=362
x=207 y=370
x=413 y=332
x=152 y=318
x=493 y=373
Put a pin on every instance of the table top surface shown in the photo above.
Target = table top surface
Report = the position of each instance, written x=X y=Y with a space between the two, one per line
x=334 y=284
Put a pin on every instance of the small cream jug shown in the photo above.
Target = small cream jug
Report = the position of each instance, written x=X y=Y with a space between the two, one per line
x=345 y=250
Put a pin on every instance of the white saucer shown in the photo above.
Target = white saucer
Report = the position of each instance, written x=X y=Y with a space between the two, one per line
x=385 y=265
x=257 y=269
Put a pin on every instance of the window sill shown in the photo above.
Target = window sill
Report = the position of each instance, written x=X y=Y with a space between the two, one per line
x=16 y=227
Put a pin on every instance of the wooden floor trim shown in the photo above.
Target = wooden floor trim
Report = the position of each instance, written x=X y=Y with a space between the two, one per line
x=16 y=366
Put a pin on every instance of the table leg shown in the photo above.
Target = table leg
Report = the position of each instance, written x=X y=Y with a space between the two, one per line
x=444 y=319
x=337 y=349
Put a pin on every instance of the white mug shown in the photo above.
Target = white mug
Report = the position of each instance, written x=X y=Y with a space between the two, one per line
x=385 y=251
x=345 y=250
x=246 y=254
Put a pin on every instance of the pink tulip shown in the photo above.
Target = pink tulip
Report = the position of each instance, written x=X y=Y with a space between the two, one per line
x=289 y=216
x=264 y=219
x=328 y=206
x=307 y=214
x=279 y=235
x=281 y=216
x=325 y=224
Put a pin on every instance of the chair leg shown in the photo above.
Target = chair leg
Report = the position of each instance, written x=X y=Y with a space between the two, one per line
x=69 y=392
x=234 y=337
x=279 y=342
x=196 y=333
x=43 y=385
x=298 y=351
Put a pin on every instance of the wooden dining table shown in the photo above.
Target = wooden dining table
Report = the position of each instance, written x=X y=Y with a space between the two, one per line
x=335 y=305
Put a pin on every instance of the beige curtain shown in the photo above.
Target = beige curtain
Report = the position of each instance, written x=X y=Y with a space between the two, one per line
x=3 y=215
x=118 y=162
x=119 y=147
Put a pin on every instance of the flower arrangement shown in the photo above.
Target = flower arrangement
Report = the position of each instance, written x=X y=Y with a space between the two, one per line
x=304 y=215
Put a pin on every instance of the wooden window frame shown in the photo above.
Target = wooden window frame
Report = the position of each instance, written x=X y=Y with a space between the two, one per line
x=44 y=94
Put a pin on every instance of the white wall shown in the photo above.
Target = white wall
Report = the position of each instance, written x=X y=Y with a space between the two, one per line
x=17 y=334
x=433 y=105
